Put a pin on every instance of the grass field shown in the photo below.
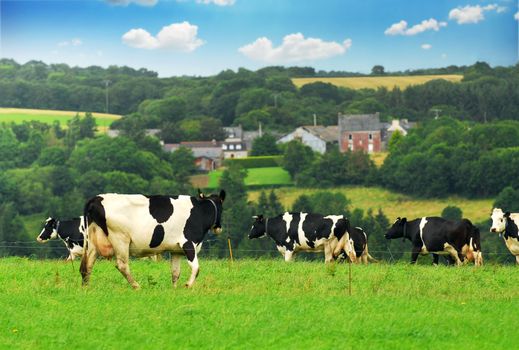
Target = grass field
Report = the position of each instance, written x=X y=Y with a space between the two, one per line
x=259 y=304
x=18 y=115
x=256 y=177
x=375 y=82
x=393 y=204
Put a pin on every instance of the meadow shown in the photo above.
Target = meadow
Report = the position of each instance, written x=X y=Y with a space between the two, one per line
x=258 y=304
x=388 y=82
x=19 y=115
x=393 y=204
x=270 y=176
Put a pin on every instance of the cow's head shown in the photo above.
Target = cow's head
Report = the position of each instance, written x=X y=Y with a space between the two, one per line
x=217 y=200
x=49 y=230
x=258 y=227
x=397 y=230
x=498 y=220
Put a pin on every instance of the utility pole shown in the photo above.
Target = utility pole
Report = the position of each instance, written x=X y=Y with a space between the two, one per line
x=276 y=100
x=436 y=112
x=106 y=82
x=260 y=132
x=315 y=120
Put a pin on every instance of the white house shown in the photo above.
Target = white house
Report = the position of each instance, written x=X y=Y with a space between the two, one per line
x=318 y=137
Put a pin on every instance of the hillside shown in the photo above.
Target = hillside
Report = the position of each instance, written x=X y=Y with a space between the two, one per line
x=375 y=82
x=19 y=115
x=392 y=204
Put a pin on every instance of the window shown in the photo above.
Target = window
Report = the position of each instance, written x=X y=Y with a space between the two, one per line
x=370 y=136
x=231 y=147
x=224 y=147
x=238 y=146
x=350 y=137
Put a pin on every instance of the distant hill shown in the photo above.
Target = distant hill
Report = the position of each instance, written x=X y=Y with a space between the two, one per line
x=375 y=82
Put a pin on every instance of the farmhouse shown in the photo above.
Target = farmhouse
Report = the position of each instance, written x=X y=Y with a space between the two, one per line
x=319 y=138
x=208 y=154
x=360 y=132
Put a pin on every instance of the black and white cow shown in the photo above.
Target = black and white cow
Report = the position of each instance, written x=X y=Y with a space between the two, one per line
x=354 y=244
x=507 y=225
x=295 y=232
x=457 y=239
x=121 y=225
x=71 y=232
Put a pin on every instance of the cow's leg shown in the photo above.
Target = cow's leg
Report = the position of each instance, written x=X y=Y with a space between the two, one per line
x=435 y=258
x=192 y=260
x=453 y=253
x=414 y=254
x=122 y=254
x=87 y=263
x=289 y=255
x=517 y=259
x=328 y=253
x=175 y=269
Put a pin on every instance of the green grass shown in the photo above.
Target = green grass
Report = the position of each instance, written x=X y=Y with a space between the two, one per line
x=259 y=304
x=256 y=177
x=18 y=115
x=393 y=204
x=375 y=82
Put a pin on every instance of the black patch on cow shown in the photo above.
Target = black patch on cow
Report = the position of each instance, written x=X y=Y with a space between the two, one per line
x=161 y=208
x=95 y=212
x=293 y=228
x=157 y=237
x=70 y=231
x=189 y=250
x=511 y=229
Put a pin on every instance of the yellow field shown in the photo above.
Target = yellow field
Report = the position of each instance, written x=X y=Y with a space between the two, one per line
x=392 y=204
x=375 y=82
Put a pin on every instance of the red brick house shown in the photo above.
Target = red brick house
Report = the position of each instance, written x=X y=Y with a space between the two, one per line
x=360 y=132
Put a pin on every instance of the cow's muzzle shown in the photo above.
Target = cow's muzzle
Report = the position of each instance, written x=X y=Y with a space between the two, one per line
x=493 y=229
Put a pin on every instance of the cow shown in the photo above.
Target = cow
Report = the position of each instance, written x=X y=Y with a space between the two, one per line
x=71 y=232
x=507 y=225
x=436 y=235
x=121 y=225
x=354 y=244
x=295 y=232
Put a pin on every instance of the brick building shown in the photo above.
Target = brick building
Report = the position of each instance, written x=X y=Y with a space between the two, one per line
x=360 y=132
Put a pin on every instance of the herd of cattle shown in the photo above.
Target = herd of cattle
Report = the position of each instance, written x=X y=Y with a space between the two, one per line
x=124 y=225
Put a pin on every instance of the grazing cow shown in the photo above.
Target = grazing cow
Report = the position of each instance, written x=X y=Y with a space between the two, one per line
x=121 y=225
x=354 y=244
x=457 y=239
x=294 y=232
x=507 y=225
x=71 y=232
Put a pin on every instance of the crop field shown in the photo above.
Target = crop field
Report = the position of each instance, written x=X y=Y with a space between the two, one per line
x=259 y=304
x=256 y=177
x=18 y=115
x=375 y=82
x=393 y=204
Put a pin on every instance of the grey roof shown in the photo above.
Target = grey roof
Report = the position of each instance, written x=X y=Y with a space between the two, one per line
x=359 y=122
x=233 y=131
x=325 y=133
x=209 y=149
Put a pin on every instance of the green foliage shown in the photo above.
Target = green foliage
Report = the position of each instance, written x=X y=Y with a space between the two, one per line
x=452 y=212
x=183 y=165
x=303 y=203
x=12 y=231
x=264 y=146
x=297 y=157
x=255 y=162
x=508 y=200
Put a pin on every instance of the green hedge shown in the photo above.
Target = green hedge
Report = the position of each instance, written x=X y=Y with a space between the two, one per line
x=256 y=162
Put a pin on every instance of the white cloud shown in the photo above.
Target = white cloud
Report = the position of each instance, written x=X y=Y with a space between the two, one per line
x=71 y=42
x=473 y=14
x=295 y=47
x=444 y=56
x=426 y=46
x=217 y=2
x=127 y=2
x=401 y=28
x=516 y=16
x=176 y=36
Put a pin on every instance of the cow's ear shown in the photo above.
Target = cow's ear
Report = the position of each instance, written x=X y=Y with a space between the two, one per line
x=507 y=214
x=222 y=195
x=403 y=220
x=200 y=194
x=258 y=217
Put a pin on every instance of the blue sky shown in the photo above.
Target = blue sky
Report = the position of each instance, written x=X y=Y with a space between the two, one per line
x=203 y=37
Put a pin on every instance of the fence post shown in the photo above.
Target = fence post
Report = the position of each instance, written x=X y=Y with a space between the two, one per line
x=230 y=249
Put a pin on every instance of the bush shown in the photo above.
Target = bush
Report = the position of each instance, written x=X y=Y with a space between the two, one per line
x=452 y=212
x=256 y=162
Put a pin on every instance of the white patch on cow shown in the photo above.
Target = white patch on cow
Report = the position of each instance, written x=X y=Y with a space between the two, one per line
x=287 y=240
x=334 y=219
x=498 y=220
x=513 y=245
x=76 y=250
x=287 y=217
x=452 y=252
x=300 y=233
x=423 y=222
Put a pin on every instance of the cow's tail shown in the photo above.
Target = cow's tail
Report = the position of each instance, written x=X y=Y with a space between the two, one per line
x=368 y=255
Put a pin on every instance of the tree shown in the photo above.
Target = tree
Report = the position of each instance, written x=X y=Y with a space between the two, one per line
x=265 y=146
x=508 y=200
x=377 y=70
x=452 y=212
x=12 y=231
x=275 y=207
x=303 y=204
x=297 y=157
x=183 y=166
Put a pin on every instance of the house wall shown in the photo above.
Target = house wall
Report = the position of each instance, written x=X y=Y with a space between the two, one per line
x=306 y=138
x=360 y=141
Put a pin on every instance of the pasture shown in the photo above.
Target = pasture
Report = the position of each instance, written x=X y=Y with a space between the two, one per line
x=388 y=82
x=392 y=203
x=19 y=115
x=258 y=304
x=256 y=177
